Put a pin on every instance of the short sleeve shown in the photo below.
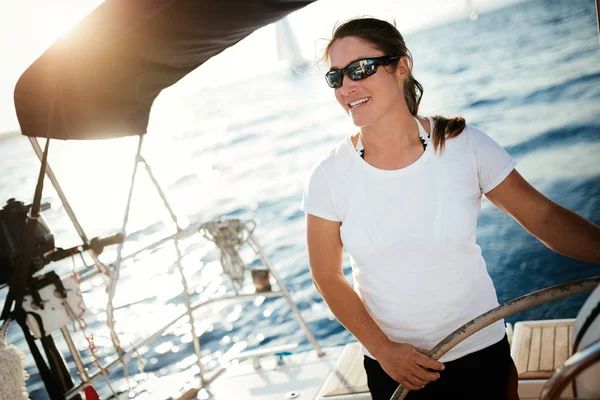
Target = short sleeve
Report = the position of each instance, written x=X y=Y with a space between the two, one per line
x=317 y=199
x=493 y=161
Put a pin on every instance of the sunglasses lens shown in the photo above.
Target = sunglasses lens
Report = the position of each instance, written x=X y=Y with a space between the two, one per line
x=361 y=69
x=334 y=78
x=357 y=70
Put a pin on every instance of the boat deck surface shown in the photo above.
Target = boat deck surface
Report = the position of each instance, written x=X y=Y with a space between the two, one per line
x=538 y=348
x=348 y=376
x=301 y=373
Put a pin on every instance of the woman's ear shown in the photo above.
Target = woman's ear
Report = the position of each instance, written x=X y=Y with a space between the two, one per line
x=402 y=69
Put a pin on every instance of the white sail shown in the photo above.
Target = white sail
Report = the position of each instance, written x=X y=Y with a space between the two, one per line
x=287 y=45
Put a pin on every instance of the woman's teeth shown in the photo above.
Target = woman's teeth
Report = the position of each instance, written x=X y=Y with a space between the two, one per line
x=354 y=104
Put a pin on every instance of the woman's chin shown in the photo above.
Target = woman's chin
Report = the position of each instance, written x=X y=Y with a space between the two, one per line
x=360 y=118
x=360 y=122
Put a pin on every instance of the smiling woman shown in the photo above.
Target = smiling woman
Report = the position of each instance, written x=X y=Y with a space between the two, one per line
x=402 y=197
x=243 y=150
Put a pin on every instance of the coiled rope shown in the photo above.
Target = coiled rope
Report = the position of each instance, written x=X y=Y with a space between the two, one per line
x=229 y=235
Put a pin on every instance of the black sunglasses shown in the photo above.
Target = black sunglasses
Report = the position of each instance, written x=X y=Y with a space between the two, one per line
x=357 y=70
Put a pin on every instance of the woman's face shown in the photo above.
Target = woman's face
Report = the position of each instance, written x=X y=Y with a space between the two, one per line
x=365 y=100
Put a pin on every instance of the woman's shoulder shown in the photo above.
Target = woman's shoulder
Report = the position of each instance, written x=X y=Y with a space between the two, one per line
x=426 y=123
x=476 y=135
x=476 y=141
x=338 y=155
x=331 y=169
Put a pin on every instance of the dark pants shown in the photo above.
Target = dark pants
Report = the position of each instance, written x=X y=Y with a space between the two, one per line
x=489 y=374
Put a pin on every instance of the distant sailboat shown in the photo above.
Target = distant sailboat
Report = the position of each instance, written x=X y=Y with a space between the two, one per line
x=288 y=49
x=471 y=12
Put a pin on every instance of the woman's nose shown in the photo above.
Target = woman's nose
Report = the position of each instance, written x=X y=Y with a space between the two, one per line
x=348 y=86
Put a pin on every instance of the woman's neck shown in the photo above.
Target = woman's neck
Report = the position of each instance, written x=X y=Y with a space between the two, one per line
x=396 y=132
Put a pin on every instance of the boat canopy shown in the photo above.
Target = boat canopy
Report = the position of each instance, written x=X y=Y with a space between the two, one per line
x=100 y=79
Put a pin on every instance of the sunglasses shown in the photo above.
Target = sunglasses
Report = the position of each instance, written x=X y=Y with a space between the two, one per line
x=357 y=70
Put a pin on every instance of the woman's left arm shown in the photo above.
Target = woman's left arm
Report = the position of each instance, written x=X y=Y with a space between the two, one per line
x=560 y=229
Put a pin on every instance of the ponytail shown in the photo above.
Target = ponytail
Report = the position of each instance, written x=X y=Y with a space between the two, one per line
x=446 y=128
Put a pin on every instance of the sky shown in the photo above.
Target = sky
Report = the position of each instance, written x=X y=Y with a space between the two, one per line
x=29 y=27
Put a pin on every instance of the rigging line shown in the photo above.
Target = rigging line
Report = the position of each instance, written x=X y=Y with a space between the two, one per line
x=184 y=283
x=114 y=273
x=188 y=305
x=92 y=346
x=186 y=294
x=161 y=193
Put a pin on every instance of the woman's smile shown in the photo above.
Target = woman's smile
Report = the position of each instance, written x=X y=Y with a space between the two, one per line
x=358 y=103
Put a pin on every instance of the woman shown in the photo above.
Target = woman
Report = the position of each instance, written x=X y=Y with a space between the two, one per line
x=402 y=197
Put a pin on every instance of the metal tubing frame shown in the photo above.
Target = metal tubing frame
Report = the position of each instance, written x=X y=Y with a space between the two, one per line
x=504 y=310
x=63 y=199
x=575 y=365
x=598 y=17
x=81 y=370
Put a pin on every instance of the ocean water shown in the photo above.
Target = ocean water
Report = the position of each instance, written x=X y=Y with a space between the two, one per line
x=528 y=74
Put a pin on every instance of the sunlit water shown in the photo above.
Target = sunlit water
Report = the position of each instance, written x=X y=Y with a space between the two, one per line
x=529 y=75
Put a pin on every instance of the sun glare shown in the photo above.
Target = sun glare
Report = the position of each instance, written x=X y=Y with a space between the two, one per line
x=51 y=20
x=57 y=24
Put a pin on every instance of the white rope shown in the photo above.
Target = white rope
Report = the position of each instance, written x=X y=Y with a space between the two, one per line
x=229 y=235
x=190 y=314
x=114 y=272
x=184 y=283
x=12 y=370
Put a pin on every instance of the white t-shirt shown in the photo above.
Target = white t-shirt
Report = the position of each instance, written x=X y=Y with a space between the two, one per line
x=410 y=234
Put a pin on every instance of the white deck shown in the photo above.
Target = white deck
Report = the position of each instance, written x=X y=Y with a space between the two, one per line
x=303 y=374
x=339 y=374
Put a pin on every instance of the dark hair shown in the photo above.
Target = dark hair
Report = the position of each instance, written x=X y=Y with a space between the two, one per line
x=385 y=37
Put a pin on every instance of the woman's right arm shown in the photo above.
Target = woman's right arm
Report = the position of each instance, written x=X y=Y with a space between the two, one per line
x=403 y=362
